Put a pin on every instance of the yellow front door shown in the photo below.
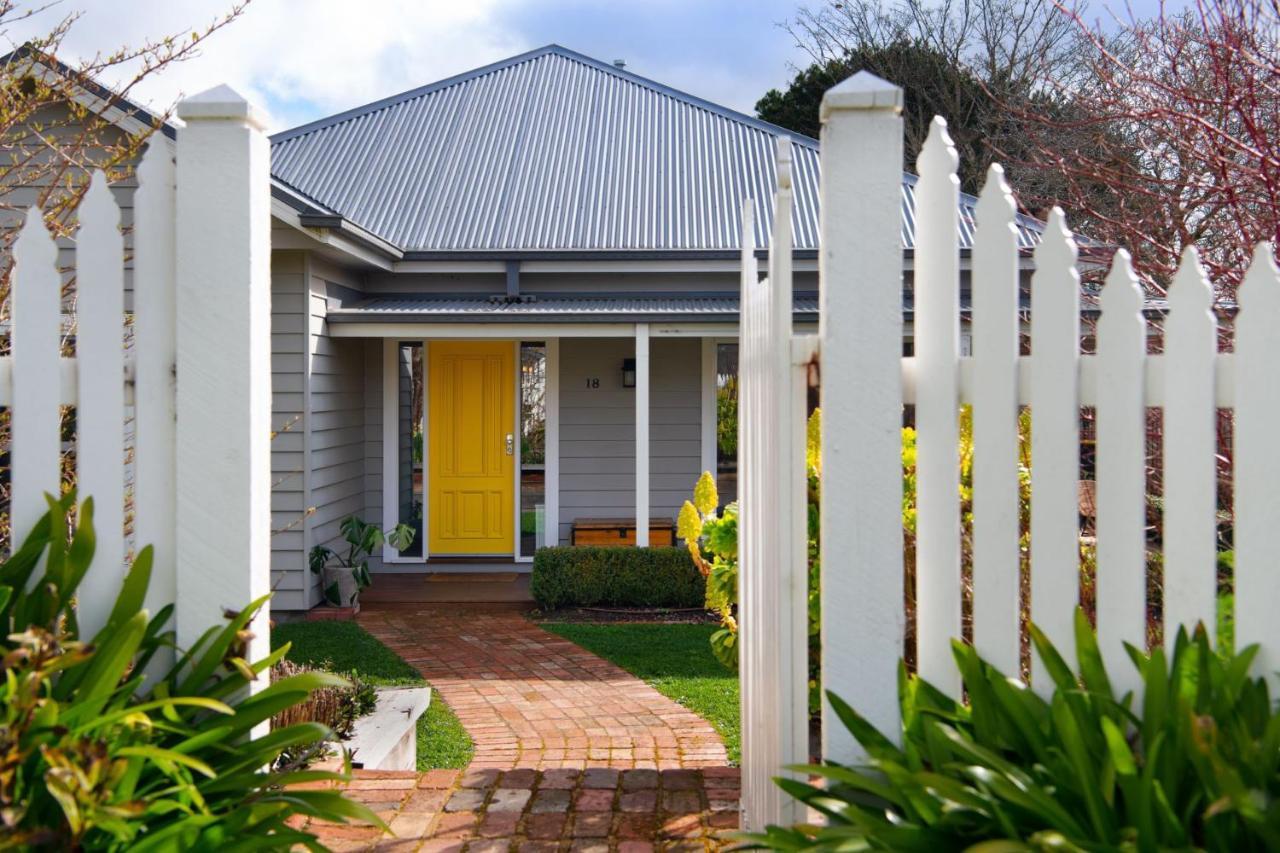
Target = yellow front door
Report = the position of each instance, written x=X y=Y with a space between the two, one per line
x=471 y=452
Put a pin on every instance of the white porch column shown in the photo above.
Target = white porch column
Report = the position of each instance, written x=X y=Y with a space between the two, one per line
x=223 y=305
x=709 y=415
x=642 y=435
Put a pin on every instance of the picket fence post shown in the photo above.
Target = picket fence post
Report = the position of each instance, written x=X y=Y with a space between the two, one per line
x=223 y=305
x=860 y=293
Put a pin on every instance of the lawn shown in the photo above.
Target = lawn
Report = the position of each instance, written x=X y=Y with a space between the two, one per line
x=676 y=660
x=346 y=647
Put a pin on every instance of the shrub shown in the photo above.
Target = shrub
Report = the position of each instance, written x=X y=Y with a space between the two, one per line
x=616 y=577
x=94 y=754
x=336 y=708
x=712 y=540
x=1193 y=765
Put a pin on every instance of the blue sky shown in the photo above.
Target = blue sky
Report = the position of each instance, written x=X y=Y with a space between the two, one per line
x=305 y=59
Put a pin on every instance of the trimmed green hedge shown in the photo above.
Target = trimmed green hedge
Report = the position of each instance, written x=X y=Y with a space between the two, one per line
x=616 y=577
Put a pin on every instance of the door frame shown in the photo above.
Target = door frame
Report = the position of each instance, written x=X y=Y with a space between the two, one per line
x=391 y=456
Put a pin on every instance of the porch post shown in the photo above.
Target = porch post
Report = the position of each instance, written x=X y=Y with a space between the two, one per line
x=390 y=442
x=223 y=306
x=642 y=435
x=709 y=425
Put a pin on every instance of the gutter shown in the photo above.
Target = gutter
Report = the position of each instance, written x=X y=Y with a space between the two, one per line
x=340 y=317
x=354 y=233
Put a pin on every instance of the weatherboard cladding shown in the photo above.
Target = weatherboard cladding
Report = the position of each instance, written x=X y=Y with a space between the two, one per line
x=553 y=150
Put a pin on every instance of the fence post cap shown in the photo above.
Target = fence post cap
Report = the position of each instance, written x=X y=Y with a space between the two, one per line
x=862 y=91
x=221 y=103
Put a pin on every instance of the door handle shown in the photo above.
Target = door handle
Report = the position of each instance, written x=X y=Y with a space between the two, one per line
x=511 y=444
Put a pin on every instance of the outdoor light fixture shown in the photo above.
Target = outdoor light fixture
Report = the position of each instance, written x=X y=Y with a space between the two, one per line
x=628 y=373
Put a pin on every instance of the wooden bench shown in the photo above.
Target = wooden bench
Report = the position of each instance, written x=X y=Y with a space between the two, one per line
x=621 y=531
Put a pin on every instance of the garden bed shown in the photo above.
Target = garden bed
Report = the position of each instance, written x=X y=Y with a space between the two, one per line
x=345 y=647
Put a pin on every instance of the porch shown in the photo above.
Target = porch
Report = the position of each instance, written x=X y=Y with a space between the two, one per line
x=552 y=427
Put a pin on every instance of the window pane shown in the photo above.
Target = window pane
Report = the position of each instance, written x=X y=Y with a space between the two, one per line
x=411 y=450
x=533 y=446
x=727 y=423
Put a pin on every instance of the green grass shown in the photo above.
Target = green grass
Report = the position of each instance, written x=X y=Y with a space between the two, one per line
x=346 y=647
x=676 y=660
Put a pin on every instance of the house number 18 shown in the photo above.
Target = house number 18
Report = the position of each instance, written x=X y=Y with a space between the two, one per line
x=593 y=382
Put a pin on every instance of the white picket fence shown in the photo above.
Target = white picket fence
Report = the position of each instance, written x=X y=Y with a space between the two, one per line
x=194 y=383
x=865 y=384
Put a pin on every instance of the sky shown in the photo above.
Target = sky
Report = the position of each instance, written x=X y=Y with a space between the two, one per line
x=306 y=59
x=301 y=60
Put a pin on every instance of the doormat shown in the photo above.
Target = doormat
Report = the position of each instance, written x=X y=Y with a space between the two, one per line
x=472 y=577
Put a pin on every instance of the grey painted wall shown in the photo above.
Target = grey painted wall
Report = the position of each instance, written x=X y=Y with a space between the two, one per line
x=318 y=462
x=336 y=419
x=289 y=325
x=597 y=428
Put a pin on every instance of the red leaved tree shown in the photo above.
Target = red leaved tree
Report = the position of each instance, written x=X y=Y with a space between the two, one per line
x=1182 y=117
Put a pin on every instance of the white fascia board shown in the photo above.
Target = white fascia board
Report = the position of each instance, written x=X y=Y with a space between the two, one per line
x=122 y=119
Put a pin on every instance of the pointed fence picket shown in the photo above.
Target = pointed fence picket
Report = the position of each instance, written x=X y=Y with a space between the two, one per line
x=773 y=518
x=996 y=511
x=1121 y=471
x=226 y=205
x=36 y=342
x=155 y=352
x=867 y=382
x=1190 y=438
x=937 y=359
x=1257 y=461
x=1055 y=438
x=100 y=410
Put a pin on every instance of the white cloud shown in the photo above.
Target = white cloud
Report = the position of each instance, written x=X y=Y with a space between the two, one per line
x=297 y=58
x=304 y=59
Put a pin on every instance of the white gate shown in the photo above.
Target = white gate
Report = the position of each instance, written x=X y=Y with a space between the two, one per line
x=195 y=384
x=866 y=382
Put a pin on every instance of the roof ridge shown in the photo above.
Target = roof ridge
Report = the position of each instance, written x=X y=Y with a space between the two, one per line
x=529 y=55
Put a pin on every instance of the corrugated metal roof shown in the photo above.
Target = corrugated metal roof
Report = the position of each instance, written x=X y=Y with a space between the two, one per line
x=553 y=150
x=704 y=307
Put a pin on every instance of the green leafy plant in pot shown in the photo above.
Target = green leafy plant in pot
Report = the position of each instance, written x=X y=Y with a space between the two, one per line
x=345 y=573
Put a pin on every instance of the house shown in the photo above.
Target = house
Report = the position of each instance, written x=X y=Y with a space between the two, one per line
x=480 y=284
x=489 y=292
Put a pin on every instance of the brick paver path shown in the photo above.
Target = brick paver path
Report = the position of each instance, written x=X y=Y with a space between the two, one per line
x=572 y=752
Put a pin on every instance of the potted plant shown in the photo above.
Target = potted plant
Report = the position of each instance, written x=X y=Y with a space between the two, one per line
x=344 y=575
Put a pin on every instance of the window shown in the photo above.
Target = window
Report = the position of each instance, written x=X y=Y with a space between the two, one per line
x=409 y=368
x=533 y=446
x=727 y=422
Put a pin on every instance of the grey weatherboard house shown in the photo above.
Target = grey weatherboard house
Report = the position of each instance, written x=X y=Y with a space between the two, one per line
x=476 y=286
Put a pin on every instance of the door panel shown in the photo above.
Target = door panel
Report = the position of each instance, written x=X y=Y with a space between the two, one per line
x=470 y=413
